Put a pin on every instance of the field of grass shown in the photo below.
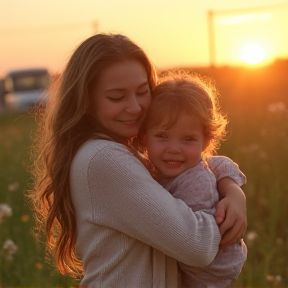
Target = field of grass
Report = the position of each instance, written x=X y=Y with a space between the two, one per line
x=256 y=102
x=22 y=262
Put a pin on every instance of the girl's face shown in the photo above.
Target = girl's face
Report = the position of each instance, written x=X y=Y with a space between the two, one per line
x=178 y=148
x=120 y=99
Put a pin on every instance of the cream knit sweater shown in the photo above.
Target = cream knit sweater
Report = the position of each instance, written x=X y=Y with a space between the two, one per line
x=130 y=230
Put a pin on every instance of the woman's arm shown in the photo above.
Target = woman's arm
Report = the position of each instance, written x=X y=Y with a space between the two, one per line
x=231 y=210
x=126 y=198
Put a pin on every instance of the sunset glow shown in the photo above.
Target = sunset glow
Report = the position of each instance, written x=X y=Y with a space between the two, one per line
x=249 y=32
x=253 y=54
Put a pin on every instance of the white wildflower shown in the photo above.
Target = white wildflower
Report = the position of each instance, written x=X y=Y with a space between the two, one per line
x=250 y=148
x=13 y=186
x=250 y=237
x=10 y=247
x=277 y=279
x=5 y=211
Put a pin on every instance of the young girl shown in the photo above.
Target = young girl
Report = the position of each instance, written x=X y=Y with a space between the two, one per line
x=183 y=127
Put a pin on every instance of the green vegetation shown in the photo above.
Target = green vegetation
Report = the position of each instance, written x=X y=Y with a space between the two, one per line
x=256 y=103
x=22 y=261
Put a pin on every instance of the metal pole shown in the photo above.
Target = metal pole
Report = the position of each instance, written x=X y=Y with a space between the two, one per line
x=211 y=37
x=210 y=20
x=95 y=26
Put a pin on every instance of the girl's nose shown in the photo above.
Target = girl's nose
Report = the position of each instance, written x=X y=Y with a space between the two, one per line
x=133 y=105
x=174 y=147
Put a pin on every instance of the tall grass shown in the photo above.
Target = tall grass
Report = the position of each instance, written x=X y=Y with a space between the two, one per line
x=261 y=150
x=25 y=266
x=256 y=104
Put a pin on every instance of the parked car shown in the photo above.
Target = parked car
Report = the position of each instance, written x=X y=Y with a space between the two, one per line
x=2 y=95
x=25 y=88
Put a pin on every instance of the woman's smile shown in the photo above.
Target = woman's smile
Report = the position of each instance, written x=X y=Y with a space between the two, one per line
x=121 y=99
x=130 y=121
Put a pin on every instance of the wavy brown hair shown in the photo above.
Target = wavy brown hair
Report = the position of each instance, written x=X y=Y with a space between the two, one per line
x=180 y=92
x=63 y=125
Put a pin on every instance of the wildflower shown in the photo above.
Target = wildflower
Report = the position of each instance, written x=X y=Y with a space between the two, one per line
x=10 y=248
x=269 y=278
x=250 y=237
x=5 y=211
x=263 y=155
x=250 y=148
x=25 y=218
x=279 y=241
x=277 y=279
x=277 y=107
x=24 y=164
x=13 y=186
x=38 y=266
x=264 y=132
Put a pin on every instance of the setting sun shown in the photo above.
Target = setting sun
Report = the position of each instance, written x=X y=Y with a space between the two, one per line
x=253 y=54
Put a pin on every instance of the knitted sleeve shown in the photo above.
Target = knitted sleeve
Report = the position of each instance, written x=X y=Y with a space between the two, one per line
x=126 y=198
x=223 y=166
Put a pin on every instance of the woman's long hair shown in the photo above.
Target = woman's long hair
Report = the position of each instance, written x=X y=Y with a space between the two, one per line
x=63 y=125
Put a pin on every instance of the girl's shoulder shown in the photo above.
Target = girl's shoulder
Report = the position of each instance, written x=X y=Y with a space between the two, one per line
x=190 y=177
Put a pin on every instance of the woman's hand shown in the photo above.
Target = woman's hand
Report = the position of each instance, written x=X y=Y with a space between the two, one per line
x=231 y=212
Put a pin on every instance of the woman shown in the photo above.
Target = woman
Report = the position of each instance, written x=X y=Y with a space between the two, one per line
x=97 y=202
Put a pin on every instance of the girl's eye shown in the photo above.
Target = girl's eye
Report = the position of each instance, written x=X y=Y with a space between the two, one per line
x=161 y=135
x=189 y=139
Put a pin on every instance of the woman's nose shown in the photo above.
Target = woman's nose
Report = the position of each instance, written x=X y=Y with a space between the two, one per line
x=133 y=105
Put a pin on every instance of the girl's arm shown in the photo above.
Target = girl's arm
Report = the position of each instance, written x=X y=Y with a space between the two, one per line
x=231 y=210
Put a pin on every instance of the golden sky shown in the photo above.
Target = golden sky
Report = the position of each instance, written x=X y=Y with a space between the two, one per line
x=43 y=33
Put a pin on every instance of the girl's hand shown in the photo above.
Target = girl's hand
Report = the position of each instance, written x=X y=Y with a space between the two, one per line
x=231 y=212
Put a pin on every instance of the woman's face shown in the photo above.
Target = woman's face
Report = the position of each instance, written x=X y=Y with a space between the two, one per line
x=120 y=99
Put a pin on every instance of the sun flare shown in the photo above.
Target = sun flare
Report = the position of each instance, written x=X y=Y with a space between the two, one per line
x=253 y=54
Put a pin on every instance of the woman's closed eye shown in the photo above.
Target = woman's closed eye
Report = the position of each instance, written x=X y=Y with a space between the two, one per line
x=116 y=98
x=143 y=90
x=142 y=93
